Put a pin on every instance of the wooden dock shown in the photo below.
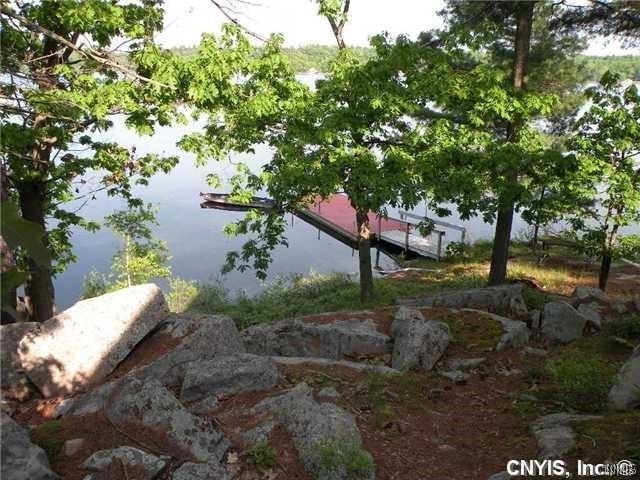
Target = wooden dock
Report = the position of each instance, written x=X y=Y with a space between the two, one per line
x=337 y=217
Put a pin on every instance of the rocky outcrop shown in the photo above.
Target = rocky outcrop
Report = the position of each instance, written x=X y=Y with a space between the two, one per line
x=505 y=300
x=325 y=362
x=15 y=383
x=228 y=375
x=146 y=408
x=625 y=392
x=561 y=322
x=82 y=345
x=312 y=425
x=142 y=465
x=21 y=459
x=554 y=434
x=337 y=340
x=208 y=337
x=596 y=305
x=417 y=343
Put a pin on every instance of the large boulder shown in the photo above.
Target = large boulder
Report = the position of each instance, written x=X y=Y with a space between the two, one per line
x=139 y=464
x=15 y=383
x=228 y=376
x=84 y=344
x=599 y=306
x=207 y=337
x=561 y=322
x=314 y=426
x=144 y=410
x=554 y=434
x=417 y=343
x=336 y=340
x=625 y=392
x=21 y=459
x=506 y=300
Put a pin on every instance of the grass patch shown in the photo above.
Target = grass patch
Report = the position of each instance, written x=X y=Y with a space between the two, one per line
x=263 y=455
x=472 y=332
x=49 y=436
x=297 y=295
x=534 y=298
x=613 y=437
x=580 y=380
x=338 y=455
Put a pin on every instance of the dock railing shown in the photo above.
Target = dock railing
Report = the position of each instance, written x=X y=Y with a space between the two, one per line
x=452 y=226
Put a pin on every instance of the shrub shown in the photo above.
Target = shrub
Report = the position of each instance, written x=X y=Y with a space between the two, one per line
x=534 y=298
x=336 y=455
x=628 y=328
x=263 y=455
x=581 y=380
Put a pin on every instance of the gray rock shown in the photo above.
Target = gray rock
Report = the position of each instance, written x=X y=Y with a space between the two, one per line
x=516 y=334
x=337 y=340
x=506 y=300
x=214 y=336
x=588 y=295
x=73 y=446
x=200 y=471
x=310 y=424
x=14 y=381
x=561 y=322
x=147 y=407
x=538 y=352
x=535 y=317
x=464 y=363
x=358 y=366
x=554 y=442
x=228 y=375
x=259 y=433
x=91 y=402
x=500 y=476
x=455 y=375
x=591 y=312
x=625 y=392
x=417 y=343
x=554 y=435
x=84 y=344
x=146 y=465
x=328 y=392
x=21 y=459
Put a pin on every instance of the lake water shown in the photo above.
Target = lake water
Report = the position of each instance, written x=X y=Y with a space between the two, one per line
x=194 y=235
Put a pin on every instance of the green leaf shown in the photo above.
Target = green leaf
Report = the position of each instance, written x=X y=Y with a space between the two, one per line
x=19 y=232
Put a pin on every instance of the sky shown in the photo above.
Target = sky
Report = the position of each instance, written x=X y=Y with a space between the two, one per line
x=298 y=21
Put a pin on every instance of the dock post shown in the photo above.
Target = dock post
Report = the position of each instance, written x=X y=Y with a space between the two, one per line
x=406 y=239
x=440 y=235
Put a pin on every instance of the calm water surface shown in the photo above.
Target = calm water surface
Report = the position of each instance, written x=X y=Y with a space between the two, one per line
x=194 y=235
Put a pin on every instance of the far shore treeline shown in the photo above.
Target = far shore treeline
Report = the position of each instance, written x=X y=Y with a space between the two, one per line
x=309 y=58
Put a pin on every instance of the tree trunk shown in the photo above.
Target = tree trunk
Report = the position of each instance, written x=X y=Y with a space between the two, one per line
x=39 y=292
x=364 y=256
x=605 y=268
x=607 y=257
x=500 y=253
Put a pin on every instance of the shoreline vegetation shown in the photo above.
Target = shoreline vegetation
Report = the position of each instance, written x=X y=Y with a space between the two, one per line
x=316 y=59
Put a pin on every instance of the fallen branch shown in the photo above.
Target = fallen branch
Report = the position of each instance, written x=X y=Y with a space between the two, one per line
x=629 y=262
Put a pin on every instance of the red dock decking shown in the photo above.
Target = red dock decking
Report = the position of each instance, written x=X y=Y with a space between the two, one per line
x=338 y=211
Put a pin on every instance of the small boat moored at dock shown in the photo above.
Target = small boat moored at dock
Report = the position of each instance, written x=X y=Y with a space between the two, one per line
x=223 y=201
